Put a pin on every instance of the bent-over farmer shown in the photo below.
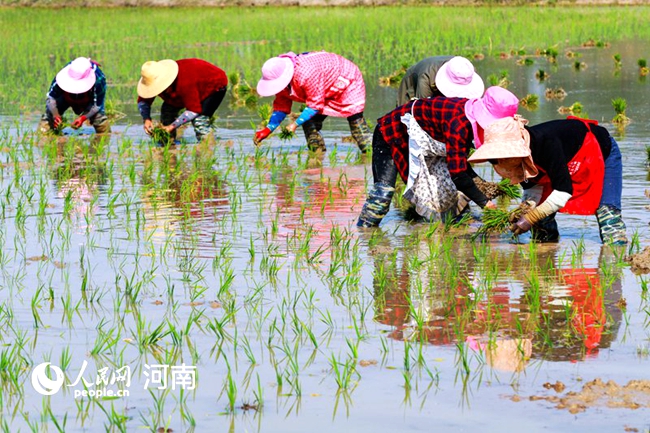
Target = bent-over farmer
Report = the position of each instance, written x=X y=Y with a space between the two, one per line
x=194 y=86
x=328 y=84
x=81 y=86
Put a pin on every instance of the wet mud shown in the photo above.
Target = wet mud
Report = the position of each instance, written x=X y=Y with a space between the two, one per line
x=640 y=262
x=596 y=394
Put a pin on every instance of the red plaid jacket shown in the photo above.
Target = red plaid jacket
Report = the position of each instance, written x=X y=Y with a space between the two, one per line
x=442 y=118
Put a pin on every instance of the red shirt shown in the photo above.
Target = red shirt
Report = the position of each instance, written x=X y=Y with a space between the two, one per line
x=443 y=119
x=196 y=80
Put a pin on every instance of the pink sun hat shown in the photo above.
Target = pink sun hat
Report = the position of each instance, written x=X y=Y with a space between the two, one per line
x=277 y=73
x=495 y=104
x=77 y=77
x=457 y=79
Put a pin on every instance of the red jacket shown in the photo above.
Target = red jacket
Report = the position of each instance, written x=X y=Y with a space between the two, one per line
x=196 y=80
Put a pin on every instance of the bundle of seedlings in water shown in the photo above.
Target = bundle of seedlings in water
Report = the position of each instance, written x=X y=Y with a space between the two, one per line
x=575 y=109
x=579 y=66
x=395 y=78
x=643 y=67
x=620 y=105
x=557 y=94
x=617 y=61
x=499 y=220
x=530 y=101
x=161 y=136
x=551 y=54
x=500 y=80
x=541 y=75
x=525 y=61
x=286 y=134
x=242 y=92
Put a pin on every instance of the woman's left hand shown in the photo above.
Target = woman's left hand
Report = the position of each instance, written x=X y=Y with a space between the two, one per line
x=168 y=128
x=292 y=127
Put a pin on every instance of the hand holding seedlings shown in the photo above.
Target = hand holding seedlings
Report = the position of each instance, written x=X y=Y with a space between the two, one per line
x=148 y=126
x=261 y=135
x=292 y=127
x=57 y=122
x=287 y=133
x=78 y=122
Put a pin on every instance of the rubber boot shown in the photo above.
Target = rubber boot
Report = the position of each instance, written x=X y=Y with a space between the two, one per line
x=611 y=225
x=100 y=123
x=361 y=133
x=202 y=126
x=545 y=230
x=315 y=141
x=376 y=206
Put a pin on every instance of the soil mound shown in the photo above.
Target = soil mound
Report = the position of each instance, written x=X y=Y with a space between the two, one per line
x=640 y=262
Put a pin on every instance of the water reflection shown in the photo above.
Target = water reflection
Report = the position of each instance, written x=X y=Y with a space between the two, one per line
x=510 y=308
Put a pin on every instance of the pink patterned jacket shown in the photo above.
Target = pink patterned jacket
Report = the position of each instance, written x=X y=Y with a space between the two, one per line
x=326 y=82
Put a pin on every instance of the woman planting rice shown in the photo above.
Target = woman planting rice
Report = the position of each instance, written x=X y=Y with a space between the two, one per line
x=191 y=84
x=571 y=165
x=80 y=85
x=328 y=84
x=452 y=121
x=455 y=74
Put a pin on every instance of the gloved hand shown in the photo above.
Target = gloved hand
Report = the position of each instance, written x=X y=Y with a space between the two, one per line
x=261 y=135
x=57 y=122
x=78 y=122
x=527 y=221
x=148 y=126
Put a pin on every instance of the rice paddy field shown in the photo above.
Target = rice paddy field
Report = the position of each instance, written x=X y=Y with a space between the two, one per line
x=217 y=286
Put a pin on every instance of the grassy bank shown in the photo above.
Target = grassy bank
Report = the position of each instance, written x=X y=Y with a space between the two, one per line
x=38 y=42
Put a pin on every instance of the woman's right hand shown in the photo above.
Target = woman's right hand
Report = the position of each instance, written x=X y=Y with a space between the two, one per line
x=261 y=135
x=148 y=126
x=490 y=205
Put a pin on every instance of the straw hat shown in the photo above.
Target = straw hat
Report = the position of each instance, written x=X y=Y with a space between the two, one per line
x=497 y=103
x=456 y=79
x=156 y=77
x=277 y=73
x=77 y=77
x=508 y=142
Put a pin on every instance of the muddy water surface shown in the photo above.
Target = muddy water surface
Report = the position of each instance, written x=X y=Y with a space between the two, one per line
x=246 y=264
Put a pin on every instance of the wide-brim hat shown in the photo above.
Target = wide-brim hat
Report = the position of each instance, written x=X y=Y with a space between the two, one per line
x=456 y=79
x=507 y=139
x=77 y=77
x=497 y=103
x=277 y=73
x=155 y=77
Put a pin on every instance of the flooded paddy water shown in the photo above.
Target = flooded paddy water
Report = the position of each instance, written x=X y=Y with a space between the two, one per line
x=234 y=285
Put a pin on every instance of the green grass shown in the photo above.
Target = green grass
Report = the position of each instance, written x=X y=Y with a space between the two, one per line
x=240 y=39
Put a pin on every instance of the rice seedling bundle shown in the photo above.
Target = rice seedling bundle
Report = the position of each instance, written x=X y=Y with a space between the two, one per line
x=286 y=134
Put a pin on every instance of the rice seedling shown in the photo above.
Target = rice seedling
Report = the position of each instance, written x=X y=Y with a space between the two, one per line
x=286 y=134
x=551 y=54
x=620 y=104
x=555 y=94
x=525 y=61
x=579 y=66
x=499 y=221
x=643 y=67
x=617 y=61
x=530 y=101
x=575 y=109
x=542 y=75
x=501 y=80
x=395 y=77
